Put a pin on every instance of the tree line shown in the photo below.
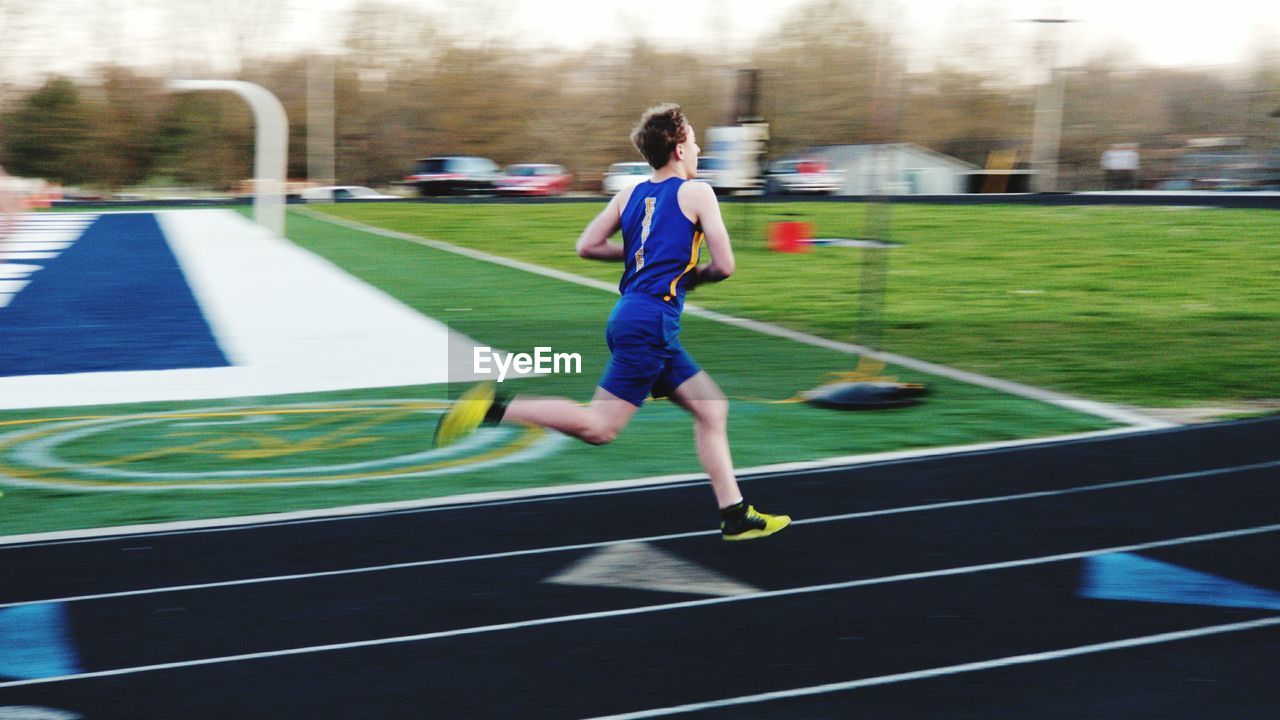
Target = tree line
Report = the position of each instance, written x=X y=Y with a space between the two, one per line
x=404 y=89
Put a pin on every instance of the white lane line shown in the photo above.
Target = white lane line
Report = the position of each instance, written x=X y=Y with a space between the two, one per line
x=355 y=571
x=1088 y=407
x=18 y=271
x=1045 y=493
x=33 y=239
x=12 y=287
x=649 y=539
x=37 y=244
x=1009 y=661
x=552 y=493
x=647 y=609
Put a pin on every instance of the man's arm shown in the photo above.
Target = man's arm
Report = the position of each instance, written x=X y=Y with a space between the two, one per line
x=594 y=242
x=706 y=211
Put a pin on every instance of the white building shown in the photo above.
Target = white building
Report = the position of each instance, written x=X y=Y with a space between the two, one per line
x=896 y=169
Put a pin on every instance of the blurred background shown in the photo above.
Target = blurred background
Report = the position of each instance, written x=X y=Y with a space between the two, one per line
x=1052 y=96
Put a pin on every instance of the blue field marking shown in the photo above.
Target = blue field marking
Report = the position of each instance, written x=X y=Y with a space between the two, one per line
x=35 y=642
x=1125 y=576
x=115 y=300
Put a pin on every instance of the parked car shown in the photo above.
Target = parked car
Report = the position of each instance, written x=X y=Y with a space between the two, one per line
x=533 y=179
x=334 y=193
x=802 y=175
x=624 y=175
x=453 y=175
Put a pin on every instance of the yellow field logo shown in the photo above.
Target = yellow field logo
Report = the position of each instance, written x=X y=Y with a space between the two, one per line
x=299 y=444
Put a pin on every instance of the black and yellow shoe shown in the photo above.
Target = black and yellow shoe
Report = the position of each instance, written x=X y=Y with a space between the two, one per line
x=465 y=416
x=738 y=523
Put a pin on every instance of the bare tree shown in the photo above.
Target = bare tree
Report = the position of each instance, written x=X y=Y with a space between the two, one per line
x=817 y=86
x=410 y=83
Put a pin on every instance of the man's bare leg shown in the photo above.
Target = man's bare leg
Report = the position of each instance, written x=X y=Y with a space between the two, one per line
x=710 y=409
x=597 y=423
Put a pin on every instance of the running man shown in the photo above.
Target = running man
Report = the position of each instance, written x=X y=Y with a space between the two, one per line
x=664 y=222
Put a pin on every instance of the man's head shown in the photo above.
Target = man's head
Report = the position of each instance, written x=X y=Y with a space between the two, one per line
x=663 y=132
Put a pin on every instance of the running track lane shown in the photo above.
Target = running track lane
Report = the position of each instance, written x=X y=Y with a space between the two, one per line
x=1194 y=499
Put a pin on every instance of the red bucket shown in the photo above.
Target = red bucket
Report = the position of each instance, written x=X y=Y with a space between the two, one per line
x=790 y=237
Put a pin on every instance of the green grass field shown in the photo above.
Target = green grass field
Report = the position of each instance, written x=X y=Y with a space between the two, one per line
x=1154 y=307
x=511 y=309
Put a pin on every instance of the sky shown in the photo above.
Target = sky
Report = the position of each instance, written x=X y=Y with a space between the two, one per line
x=72 y=34
x=1165 y=33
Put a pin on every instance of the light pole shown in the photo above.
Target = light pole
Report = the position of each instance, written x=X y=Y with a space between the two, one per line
x=1046 y=133
x=321 y=167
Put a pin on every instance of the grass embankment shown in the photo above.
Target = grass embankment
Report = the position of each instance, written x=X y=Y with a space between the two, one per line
x=1157 y=307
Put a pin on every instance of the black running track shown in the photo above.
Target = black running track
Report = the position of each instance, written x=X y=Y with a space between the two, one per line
x=945 y=587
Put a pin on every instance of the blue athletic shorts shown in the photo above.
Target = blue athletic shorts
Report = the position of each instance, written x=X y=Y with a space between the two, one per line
x=644 y=336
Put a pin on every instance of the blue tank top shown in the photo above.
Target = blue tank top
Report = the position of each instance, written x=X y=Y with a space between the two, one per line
x=660 y=243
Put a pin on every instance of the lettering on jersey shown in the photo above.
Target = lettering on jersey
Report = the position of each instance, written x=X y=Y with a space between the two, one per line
x=649 y=204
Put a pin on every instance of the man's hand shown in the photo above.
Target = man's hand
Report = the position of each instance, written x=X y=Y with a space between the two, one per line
x=705 y=274
x=695 y=279
x=594 y=242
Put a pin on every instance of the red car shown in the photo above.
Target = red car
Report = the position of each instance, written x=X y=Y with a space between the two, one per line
x=535 y=179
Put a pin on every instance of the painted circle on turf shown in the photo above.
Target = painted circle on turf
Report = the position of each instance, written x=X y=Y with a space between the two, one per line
x=222 y=447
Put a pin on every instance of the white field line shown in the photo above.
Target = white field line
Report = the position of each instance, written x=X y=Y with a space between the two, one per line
x=649 y=609
x=1008 y=661
x=1088 y=407
x=650 y=539
x=558 y=492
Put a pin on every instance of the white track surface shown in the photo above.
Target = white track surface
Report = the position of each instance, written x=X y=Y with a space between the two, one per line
x=288 y=320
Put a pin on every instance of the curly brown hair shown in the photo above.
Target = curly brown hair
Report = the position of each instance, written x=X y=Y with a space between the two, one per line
x=661 y=129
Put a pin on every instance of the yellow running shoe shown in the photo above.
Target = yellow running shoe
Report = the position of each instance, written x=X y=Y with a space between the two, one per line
x=753 y=525
x=465 y=416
